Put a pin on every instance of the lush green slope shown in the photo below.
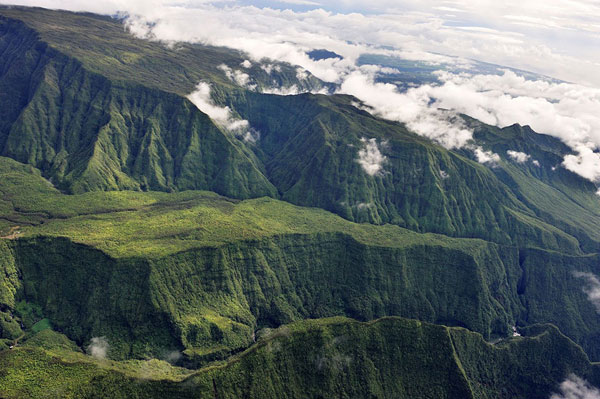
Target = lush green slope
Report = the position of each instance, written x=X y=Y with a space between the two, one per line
x=556 y=195
x=389 y=358
x=132 y=256
x=86 y=132
x=91 y=115
x=422 y=186
x=210 y=270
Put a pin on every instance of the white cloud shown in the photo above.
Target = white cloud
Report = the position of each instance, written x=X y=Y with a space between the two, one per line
x=518 y=156
x=412 y=108
x=282 y=91
x=566 y=111
x=246 y=64
x=268 y=68
x=172 y=356
x=586 y=163
x=365 y=205
x=201 y=98
x=591 y=288
x=486 y=157
x=521 y=34
x=576 y=388
x=98 y=347
x=299 y=2
x=370 y=157
x=301 y=74
x=237 y=76
x=251 y=135
x=222 y=116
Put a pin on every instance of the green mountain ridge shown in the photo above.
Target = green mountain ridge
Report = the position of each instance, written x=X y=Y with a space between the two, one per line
x=126 y=213
x=324 y=358
x=138 y=134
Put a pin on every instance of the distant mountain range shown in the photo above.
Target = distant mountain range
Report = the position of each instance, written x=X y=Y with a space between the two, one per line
x=408 y=73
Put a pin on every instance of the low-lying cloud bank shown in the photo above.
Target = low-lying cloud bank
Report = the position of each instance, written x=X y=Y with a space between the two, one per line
x=569 y=112
x=413 y=108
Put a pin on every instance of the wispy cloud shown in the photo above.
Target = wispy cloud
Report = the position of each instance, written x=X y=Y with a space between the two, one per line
x=98 y=347
x=239 y=77
x=575 y=387
x=370 y=157
x=222 y=116
x=591 y=287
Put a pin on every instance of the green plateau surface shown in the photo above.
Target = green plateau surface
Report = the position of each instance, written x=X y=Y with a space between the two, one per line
x=316 y=359
x=210 y=270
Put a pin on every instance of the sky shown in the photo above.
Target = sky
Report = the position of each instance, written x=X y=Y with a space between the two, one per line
x=557 y=38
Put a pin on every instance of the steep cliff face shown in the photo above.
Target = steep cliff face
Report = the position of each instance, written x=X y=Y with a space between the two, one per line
x=420 y=185
x=380 y=360
x=215 y=298
x=87 y=294
x=9 y=285
x=551 y=291
x=208 y=271
x=210 y=301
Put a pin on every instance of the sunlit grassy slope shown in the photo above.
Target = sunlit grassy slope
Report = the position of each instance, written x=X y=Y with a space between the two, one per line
x=129 y=223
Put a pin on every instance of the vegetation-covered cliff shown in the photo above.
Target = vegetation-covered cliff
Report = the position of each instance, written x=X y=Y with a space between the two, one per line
x=387 y=358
